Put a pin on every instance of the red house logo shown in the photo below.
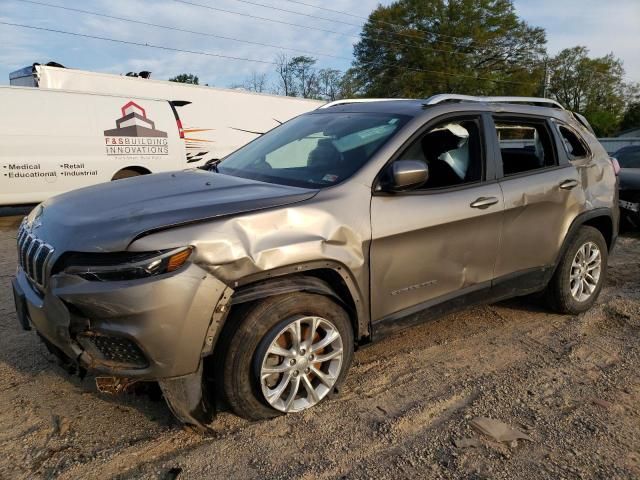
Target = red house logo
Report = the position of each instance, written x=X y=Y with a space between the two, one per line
x=134 y=123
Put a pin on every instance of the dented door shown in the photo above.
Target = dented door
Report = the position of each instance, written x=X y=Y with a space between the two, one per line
x=539 y=209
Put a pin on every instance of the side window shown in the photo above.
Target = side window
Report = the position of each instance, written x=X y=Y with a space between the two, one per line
x=575 y=146
x=525 y=145
x=453 y=152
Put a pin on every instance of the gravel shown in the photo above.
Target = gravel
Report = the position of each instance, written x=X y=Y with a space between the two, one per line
x=571 y=384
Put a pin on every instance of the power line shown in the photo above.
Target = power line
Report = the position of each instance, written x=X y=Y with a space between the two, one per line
x=140 y=22
x=167 y=27
x=330 y=10
x=273 y=20
x=177 y=29
x=229 y=57
x=380 y=22
x=448 y=52
x=139 y=44
x=222 y=37
x=308 y=27
x=195 y=32
x=333 y=20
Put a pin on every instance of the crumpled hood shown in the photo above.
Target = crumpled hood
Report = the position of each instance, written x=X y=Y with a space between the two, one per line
x=109 y=216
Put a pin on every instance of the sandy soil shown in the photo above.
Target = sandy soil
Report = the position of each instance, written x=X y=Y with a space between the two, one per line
x=571 y=383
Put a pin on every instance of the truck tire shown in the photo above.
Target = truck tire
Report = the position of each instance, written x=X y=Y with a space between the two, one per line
x=286 y=354
x=579 y=277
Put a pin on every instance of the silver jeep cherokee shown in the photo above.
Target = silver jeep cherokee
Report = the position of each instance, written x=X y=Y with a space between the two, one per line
x=251 y=284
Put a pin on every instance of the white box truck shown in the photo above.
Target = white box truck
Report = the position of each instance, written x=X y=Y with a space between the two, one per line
x=216 y=121
x=54 y=138
x=53 y=141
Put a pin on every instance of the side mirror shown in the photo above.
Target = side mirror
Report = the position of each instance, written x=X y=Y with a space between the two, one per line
x=407 y=174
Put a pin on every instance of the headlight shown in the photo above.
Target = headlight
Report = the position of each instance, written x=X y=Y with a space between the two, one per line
x=127 y=265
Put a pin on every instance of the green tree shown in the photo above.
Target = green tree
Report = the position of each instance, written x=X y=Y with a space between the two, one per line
x=329 y=83
x=285 y=73
x=298 y=77
x=594 y=87
x=631 y=117
x=479 y=46
x=185 y=78
x=256 y=82
x=305 y=76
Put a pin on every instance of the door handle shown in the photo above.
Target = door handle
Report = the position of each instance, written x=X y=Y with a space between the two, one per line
x=568 y=184
x=484 y=202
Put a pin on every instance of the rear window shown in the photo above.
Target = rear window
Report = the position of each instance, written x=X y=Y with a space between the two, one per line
x=574 y=145
x=525 y=145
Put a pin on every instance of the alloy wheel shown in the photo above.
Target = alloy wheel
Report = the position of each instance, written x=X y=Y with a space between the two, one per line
x=585 y=271
x=301 y=364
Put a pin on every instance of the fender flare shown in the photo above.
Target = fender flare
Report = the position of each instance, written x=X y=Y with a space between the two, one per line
x=578 y=222
x=301 y=277
x=286 y=284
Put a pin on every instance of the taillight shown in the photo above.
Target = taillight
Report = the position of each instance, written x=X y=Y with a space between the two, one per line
x=615 y=165
x=180 y=129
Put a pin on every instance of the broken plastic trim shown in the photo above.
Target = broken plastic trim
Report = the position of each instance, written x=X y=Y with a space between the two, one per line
x=188 y=399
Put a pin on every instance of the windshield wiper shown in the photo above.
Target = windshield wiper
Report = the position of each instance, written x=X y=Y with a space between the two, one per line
x=211 y=165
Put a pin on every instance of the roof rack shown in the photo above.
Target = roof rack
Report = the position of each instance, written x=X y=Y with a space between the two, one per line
x=446 y=97
x=346 y=101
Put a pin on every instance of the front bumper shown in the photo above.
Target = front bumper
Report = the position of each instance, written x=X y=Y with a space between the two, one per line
x=146 y=329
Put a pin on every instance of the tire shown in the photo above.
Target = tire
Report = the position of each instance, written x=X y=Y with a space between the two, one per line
x=126 y=173
x=262 y=328
x=563 y=293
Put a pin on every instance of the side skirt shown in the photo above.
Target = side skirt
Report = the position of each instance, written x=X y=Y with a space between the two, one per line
x=509 y=286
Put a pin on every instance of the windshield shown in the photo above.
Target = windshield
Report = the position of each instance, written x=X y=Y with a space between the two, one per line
x=629 y=158
x=314 y=150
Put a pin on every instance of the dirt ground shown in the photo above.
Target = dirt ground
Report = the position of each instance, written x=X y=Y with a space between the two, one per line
x=571 y=383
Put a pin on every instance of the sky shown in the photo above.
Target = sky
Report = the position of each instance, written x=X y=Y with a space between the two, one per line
x=602 y=26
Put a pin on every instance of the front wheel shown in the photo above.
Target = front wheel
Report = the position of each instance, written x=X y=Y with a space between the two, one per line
x=287 y=354
x=579 y=277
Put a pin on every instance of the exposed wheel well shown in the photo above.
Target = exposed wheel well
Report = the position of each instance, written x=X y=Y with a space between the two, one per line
x=604 y=225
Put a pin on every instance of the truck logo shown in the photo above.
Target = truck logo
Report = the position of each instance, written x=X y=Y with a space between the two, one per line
x=135 y=134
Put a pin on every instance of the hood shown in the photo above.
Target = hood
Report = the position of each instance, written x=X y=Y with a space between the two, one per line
x=109 y=216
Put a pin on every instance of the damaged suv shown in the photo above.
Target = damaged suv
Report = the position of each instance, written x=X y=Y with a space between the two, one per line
x=251 y=284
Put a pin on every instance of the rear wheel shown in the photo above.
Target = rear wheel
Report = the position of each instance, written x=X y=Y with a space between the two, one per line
x=580 y=275
x=286 y=355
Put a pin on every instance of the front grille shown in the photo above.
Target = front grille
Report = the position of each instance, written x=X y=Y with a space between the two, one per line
x=115 y=349
x=33 y=256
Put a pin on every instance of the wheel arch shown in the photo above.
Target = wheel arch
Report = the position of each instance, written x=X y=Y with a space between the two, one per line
x=601 y=219
x=330 y=279
x=604 y=224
